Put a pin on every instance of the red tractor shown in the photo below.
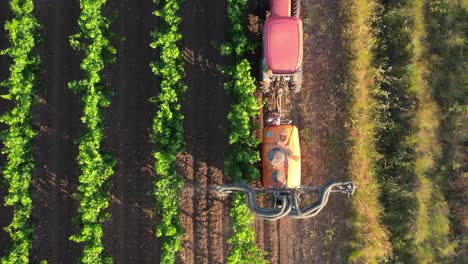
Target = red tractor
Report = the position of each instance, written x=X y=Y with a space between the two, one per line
x=282 y=45
x=281 y=73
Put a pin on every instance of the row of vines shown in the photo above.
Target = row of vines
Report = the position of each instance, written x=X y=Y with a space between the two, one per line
x=17 y=139
x=95 y=166
x=395 y=168
x=167 y=131
x=242 y=153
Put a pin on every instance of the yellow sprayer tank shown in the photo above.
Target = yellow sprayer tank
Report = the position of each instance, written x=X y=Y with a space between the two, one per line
x=281 y=157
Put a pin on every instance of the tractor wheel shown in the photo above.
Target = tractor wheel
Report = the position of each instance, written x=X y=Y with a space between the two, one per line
x=295 y=8
x=264 y=6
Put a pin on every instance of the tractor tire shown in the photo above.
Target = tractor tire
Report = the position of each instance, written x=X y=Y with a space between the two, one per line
x=295 y=8
x=263 y=6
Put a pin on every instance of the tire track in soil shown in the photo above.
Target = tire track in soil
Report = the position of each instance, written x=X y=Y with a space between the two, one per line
x=186 y=171
x=129 y=235
x=200 y=214
x=321 y=115
x=57 y=117
x=286 y=243
x=205 y=107
x=270 y=229
x=216 y=219
x=6 y=213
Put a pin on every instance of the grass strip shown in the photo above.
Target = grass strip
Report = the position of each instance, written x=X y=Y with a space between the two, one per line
x=446 y=25
x=432 y=224
x=17 y=139
x=95 y=167
x=167 y=131
x=415 y=209
x=370 y=239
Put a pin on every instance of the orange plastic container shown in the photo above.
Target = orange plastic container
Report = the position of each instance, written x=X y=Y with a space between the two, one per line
x=281 y=157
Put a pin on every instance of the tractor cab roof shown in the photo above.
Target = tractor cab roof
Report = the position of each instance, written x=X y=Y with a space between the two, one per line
x=283 y=44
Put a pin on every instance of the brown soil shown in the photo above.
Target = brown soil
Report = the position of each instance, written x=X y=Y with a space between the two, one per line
x=323 y=115
x=129 y=235
x=56 y=116
x=205 y=106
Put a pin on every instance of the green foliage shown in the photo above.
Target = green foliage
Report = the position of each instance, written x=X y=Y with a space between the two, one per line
x=242 y=153
x=243 y=251
x=167 y=132
x=17 y=139
x=95 y=166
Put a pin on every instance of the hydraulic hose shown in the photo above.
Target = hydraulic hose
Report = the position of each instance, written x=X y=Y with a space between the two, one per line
x=289 y=199
x=251 y=201
x=325 y=191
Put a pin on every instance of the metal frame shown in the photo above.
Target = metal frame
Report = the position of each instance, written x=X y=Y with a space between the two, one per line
x=288 y=197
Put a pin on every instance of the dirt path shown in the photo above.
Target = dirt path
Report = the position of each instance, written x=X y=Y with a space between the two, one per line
x=205 y=105
x=57 y=119
x=6 y=213
x=320 y=115
x=129 y=235
x=321 y=120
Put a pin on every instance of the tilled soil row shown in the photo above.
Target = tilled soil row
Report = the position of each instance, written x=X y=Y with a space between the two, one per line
x=129 y=236
x=204 y=27
x=203 y=215
x=57 y=118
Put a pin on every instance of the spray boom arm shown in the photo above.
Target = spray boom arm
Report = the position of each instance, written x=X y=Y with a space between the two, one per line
x=288 y=198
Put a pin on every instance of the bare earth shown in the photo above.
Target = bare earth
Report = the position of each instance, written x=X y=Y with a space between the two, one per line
x=56 y=116
x=205 y=107
x=129 y=235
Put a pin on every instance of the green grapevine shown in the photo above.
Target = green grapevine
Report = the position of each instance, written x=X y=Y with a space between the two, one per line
x=17 y=139
x=95 y=167
x=167 y=131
